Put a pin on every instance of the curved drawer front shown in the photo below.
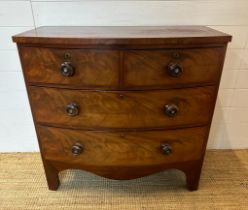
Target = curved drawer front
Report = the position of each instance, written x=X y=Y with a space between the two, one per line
x=172 y=68
x=121 y=149
x=91 y=68
x=136 y=109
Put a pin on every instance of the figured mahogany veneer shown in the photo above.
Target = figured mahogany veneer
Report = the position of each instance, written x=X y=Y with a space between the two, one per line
x=127 y=149
x=100 y=68
x=136 y=109
x=122 y=102
x=199 y=66
x=93 y=68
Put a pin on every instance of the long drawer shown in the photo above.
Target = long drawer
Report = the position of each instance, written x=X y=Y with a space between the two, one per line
x=121 y=149
x=123 y=109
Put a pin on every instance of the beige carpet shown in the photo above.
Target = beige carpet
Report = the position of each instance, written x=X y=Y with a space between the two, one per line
x=223 y=185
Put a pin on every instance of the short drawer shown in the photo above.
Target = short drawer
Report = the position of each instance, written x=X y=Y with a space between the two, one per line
x=71 y=67
x=121 y=149
x=123 y=109
x=171 y=68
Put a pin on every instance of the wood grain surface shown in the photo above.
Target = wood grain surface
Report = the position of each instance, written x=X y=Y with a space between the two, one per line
x=149 y=69
x=97 y=68
x=121 y=148
x=137 y=109
x=119 y=96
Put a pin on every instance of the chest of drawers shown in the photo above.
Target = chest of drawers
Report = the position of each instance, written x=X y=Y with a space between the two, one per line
x=122 y=102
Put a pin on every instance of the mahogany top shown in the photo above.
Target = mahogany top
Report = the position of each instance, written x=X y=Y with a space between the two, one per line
x=122 y=35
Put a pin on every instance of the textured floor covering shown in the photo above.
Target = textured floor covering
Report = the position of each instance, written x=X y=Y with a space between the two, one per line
x=223 y=185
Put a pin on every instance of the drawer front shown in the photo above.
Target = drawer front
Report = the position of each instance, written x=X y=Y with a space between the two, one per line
x=123 y=149
x=71 y=67
x=172 y=68
x=136 y=109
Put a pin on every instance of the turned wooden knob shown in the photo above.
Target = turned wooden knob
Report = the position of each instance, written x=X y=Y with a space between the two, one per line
x=175 y=70
x=72 y=109
x=166 y=149
x=171 y=110
x=67 y=69
x=77 y=149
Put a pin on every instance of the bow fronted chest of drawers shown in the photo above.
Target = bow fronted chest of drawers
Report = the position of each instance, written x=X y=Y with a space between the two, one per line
x=122 y=102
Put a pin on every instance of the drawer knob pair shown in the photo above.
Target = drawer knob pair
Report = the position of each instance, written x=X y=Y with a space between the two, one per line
x=171 y=110
x=67 y=69
x=166 y=149
x=77 y=149
x=175 y=70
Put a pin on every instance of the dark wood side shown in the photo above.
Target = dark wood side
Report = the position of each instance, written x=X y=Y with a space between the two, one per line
x=91 y=68
x=144 y=69
x=122 y=110
x=50 y=171
x=193 y=176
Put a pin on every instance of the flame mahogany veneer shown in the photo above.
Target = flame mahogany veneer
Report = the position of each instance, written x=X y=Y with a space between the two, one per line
x=122 y=102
